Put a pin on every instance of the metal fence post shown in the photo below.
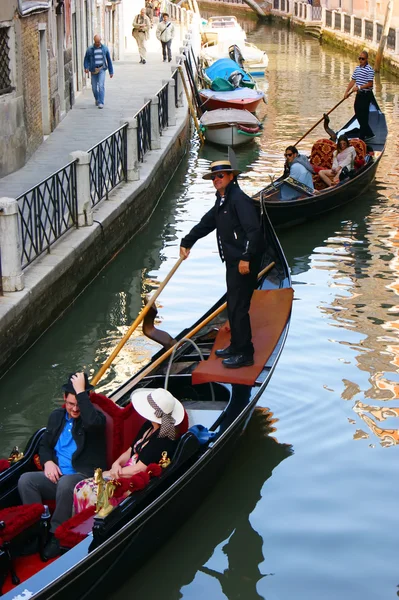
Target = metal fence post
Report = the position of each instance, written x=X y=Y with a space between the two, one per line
x=155 y=133
x=171 y=101
x=10 y=246
x=133 y=171
x=85 y=212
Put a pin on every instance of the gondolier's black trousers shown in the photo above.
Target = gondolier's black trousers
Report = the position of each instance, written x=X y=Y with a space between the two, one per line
x=239 y=293
x=362 y=105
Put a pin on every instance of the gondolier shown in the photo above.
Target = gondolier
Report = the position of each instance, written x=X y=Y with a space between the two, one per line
x=240 y=243
x=362 y=84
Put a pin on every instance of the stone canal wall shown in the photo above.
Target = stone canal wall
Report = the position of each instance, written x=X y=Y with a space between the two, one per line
x=52 y=280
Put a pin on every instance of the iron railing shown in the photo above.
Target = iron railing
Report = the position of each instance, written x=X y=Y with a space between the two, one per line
x=337 y=21
x=46 y=212
x=143 y=130
x=368 y=30
x=108 y=164
x=5 y=71
x=328 y=18
x=391 y=38
x=347 y=23
x=163 y=108
x=316 y=13
x=357 y=28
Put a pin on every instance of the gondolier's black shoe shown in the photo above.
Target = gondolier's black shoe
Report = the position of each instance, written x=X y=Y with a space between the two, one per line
x=52 y=549
x=238 y=360
x=224 y=352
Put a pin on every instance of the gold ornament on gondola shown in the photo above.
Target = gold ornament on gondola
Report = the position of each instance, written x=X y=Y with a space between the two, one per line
x=165 y=461
x=105 y=491
x=15 y=455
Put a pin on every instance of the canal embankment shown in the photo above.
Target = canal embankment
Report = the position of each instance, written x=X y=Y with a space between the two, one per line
x=92 y=185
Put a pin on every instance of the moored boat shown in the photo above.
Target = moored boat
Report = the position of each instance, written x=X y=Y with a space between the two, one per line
x=230 y=72
x=309 y=204
x=254 y=60
x=230 y=126
x=242 y=98
x=222 y=402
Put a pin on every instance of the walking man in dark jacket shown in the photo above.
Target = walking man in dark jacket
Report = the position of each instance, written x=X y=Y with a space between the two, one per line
x=72 y=447
x=240 y=243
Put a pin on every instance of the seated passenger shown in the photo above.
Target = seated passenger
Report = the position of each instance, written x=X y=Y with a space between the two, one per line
x=344 y=156
x=158 y=434
x=71 y=448
x=298 y=167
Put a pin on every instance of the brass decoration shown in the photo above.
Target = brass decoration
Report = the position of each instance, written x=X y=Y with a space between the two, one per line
x=165 y=461
x=105 y=491
x=15 y=455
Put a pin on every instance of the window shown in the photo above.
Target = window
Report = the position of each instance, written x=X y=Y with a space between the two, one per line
x=5 y=71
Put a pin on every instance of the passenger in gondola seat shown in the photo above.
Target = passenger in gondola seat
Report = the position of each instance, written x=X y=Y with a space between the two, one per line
x=160 y=433
x=299 y=168
x=71 y=448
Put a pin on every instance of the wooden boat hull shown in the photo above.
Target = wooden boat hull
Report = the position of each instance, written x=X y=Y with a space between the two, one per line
x=228 y=135
x=243 y=103
x=123 y=540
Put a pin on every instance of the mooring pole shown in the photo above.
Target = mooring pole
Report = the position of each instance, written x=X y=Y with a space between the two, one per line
x=384 y=35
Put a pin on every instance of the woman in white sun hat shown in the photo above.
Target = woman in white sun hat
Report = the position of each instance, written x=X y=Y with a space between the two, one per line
x=159 y=434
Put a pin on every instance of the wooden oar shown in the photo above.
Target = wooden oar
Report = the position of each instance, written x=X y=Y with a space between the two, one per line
x=135 y=323
x=160 y=360
x=322 y=119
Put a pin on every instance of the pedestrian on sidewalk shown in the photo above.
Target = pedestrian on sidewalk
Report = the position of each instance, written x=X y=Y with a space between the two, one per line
x=141 y=33
x=149 y=10
x=97 y=61
x=165 y=34
x=362 y=84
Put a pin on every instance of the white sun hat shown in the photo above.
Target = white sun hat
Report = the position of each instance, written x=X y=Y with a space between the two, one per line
x=162 y=398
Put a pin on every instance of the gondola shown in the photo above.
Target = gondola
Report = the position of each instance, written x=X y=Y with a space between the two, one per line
x=308 y=204
x=221 y=402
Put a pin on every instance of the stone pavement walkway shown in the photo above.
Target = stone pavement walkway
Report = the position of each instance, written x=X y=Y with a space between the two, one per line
x=86 y=125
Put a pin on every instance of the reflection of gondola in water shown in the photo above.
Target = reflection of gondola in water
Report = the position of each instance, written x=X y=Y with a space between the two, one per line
x=236 y=495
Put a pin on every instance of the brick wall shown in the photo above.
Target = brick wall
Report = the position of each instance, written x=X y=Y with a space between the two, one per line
x=30 y=63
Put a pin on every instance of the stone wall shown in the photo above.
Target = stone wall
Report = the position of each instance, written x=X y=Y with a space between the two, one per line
x=42 y=306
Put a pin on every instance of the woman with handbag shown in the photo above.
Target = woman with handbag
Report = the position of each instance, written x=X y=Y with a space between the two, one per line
x=344 y=157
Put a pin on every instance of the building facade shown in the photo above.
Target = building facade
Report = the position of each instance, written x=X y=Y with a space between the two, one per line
x=42 y=48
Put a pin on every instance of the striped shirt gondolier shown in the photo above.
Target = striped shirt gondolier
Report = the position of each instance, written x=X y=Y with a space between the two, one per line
x=363 y=75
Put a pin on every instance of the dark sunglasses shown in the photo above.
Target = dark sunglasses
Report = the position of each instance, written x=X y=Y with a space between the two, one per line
x=362 y=58
x=218 y=176
x=288 y=154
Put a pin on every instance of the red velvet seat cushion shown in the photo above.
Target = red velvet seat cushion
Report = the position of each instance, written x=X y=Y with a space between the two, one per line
x=321 y=157
x=122 y=425
x=360 y=147
x=17 y=519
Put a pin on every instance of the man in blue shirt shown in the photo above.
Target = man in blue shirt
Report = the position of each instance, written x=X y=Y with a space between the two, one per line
x=97 y=61
x=71 y=448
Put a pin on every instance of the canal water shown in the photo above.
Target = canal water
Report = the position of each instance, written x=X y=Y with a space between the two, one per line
x=307 y=507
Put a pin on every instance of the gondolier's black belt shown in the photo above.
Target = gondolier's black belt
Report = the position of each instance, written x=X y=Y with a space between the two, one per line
x=364 y=91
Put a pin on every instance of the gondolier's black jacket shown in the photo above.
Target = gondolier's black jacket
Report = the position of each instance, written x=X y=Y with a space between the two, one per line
x=239 y=233
x=88 y=431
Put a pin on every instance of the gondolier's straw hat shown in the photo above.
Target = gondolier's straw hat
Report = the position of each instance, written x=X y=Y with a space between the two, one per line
x=221 y=165
x=143 y=401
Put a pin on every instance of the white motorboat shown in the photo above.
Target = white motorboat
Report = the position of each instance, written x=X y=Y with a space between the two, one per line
x=223 y=30
x=255 y=60
x=230 y=126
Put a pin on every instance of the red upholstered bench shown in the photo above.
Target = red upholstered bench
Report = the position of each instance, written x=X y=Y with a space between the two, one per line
x=16 y=526
x=321 y=157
